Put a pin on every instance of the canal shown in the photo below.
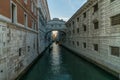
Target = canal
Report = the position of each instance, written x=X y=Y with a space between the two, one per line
x=61 y=64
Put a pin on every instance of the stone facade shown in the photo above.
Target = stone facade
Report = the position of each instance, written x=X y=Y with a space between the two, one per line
x=55 y=25
x=43 y=18
x=19 y=32
x=94 y=32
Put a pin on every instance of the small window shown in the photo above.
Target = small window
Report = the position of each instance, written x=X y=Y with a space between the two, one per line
x=73 y=31
x=84 y=27
x=28 y=48
x=25 y=1
x=95 y=47
x=14 y=14
x=77 y=43
x=77 y=30
x=115 y=51
x=112 y=0
x=84 y=14
x=73 y=42
x=115 y=20
x=25 y=20
x=70 y=25
x=95 y=7
x=78 y=19
x=73 y=22
x=84 y=45
x=20 y=51
x=96 y=25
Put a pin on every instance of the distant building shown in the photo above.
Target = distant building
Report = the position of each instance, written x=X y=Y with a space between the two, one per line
x=43 y=18
x=94 y=32
x=19 y=21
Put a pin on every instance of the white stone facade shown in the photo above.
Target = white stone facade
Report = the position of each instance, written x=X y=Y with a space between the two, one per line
x=18 y=48
x=55 y=25
x=82 y=39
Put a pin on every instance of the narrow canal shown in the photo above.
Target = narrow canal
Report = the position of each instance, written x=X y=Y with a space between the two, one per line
x=61 y=64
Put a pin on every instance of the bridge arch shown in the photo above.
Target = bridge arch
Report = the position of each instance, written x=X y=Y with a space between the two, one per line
x=55 y=25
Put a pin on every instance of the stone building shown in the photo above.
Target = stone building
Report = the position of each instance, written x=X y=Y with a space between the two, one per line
x=43 y=18
x=19 y=35
x=55 y=25
x=94 y=33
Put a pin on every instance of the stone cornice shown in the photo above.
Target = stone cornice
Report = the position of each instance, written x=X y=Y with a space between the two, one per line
x=82 y=9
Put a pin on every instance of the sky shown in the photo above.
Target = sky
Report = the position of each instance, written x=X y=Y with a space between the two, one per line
x=64 y=9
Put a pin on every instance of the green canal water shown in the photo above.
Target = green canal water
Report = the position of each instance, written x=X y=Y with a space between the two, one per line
x=61 y=64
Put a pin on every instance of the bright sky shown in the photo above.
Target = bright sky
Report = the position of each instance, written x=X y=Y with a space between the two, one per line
x=64 y=9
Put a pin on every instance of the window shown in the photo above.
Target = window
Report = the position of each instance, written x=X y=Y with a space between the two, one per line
x=95 y=47
x=35 y=26
x=73 y=22
x=32 y=24
x=32 y=6
x=73 y=42
x=95 y=7
x=25 y=20
x=77 y=43
x=84 y=45
x=78 y=19
x=84 y=27
x=115 y=51
x=20 y=51
x=73 y=31
x=84 y=15
x=96 y=25
x=115 y=20
x=25 y=1
x=112 y=0
x=28 y=48
x=77 y=30
x=14 y=14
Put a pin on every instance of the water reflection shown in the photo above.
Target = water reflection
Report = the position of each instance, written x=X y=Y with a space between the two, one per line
x=60 y=64
x=55 y=59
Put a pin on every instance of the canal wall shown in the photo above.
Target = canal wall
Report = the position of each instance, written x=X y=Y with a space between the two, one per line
x=96 y=61
x=18 y=48
x=94 y=32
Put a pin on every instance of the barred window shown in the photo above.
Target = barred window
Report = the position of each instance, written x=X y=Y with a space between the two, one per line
x=95 y=47
x=95 y=7
x=84 y=14
x=115 y=51
x=78 y=19
x=77 y=30
x=84 y=45
x=115 y=20
x=112 y=0
x=77 y=43
x=84 y=27
x=96 y=25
